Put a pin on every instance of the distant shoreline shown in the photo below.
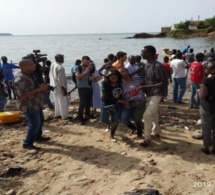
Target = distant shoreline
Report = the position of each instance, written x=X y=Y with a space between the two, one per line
x=203 y=33
x=5 y=34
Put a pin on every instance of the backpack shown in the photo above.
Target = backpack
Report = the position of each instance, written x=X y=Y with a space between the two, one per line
x=73 y=74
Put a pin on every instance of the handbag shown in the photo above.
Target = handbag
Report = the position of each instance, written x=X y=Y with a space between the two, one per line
x=110 y=109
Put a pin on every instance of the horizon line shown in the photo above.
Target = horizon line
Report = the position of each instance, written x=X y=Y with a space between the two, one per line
x=74 y=33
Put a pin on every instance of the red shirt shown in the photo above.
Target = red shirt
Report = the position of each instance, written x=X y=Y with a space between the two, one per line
x=168 y=69
x=196 y=72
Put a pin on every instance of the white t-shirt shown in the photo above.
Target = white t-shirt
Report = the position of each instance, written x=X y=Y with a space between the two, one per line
x=131 y=68
x=178 y=68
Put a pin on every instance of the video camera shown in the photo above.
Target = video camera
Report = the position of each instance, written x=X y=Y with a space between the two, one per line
x=36 y=56
x=92 y=67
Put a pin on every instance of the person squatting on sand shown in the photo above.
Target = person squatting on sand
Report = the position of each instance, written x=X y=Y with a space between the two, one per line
x=31 y=102
x=58 y=80
x=155 y=86
x=111 y=104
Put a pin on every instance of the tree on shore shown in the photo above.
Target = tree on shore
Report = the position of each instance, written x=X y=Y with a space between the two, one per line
x=210 y=22
x=207 y=23
x=183 y=25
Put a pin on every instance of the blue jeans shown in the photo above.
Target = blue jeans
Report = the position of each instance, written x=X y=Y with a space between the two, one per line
x=208 y=128
x=104 y=115
x=115 y=117
x=35 y=123
x=181 y=82
x=136 y=113
x=194 y=98
x=3 y=101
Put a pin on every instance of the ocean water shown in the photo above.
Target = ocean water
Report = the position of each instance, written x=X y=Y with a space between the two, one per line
x=97 y=46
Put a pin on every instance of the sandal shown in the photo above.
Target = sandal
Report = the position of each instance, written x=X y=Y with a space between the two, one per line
x=145 y=143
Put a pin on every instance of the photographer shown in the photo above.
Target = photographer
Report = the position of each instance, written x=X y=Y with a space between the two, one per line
x=58 y=80
x=37 y=57
x=85 y=90
x=30 y=101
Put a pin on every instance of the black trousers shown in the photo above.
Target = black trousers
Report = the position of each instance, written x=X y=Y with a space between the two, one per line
x=85 y=95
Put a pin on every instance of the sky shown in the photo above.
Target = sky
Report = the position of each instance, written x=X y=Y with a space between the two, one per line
x=33 y=17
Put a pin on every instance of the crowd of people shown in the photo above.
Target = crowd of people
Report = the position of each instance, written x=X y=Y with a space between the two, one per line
x=131 y=92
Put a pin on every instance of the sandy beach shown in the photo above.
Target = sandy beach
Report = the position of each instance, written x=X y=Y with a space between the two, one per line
x=81 y=160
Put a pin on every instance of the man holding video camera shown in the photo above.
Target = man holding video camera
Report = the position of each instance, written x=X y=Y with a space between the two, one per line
x=37 y=58
x=58 y=80
x=30 y=101
x=85 y=91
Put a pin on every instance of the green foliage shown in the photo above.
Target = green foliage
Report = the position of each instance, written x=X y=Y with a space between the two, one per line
x=201 y=25
x=187 y=33
x=210 y=22
x=183 y=25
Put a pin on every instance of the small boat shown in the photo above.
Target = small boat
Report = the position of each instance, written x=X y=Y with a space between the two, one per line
x=166 y=52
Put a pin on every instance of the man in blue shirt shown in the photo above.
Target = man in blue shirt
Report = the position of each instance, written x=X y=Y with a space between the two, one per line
x=7 y=71
x=186 y=50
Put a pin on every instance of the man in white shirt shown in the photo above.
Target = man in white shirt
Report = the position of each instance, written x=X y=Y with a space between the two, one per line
x=134 y=70
x=179 y=69
x=58 y=80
